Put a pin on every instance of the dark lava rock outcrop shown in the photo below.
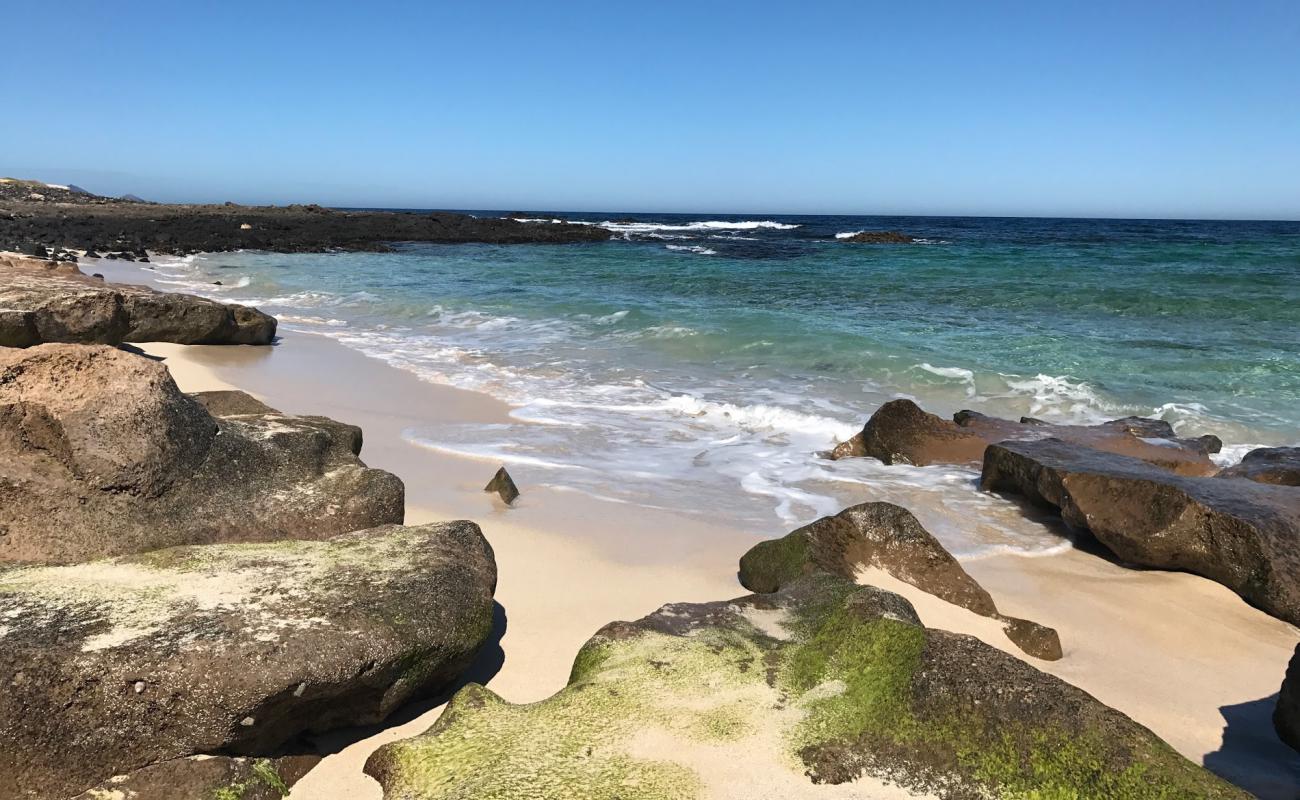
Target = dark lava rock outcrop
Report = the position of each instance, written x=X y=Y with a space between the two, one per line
x=823 y=682
x=86 y=222
x=113 y=666
x=1242 y=534
x=1276 y=465
x=101 y=455
x=889 y=537
x=900 y=432
x=50 y=301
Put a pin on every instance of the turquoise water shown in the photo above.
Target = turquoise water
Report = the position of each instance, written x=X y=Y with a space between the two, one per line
x=700 y=362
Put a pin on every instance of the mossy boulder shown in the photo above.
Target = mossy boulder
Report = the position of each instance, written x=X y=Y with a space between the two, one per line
x=102 y=455
x=116 y=665
x=888 y=537
x=822 y=682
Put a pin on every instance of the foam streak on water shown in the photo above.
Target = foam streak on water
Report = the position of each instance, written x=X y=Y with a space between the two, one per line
x=705 y=374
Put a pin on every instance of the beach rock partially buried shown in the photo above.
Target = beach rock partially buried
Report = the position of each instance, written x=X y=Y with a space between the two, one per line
x=889 y=537
x=101 y=454
x=900 y=432
x=1242 y=534
x=823 y=682
x=1286 y=715
x=48 y=301
x=116 y=665
x=503 y=486
x=1276 y=465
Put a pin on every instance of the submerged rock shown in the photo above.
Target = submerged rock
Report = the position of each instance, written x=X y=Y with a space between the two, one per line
x=504 y=486
x=900 y=432
x=823 y=682
x=889 y=537
x=46 y=301
x=1242 y=534
x=1276 y=465
x=101 y=454
x=113 y=666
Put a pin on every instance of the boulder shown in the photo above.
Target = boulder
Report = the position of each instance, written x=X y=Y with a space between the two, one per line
x=889 y=537
x=1286 y=715
x=822 y=682
x=900 y=432
x=1276 y=465
x=49 y=301
x=101 y=455
x=116 y=665
x=1242 y=534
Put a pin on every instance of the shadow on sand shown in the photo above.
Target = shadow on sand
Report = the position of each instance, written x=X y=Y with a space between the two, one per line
x=1252 y=756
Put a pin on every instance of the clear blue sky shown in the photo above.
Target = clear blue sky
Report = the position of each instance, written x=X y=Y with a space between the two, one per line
x=1146 y=108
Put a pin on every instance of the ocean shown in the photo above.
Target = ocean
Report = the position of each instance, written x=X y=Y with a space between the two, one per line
x=701 y=362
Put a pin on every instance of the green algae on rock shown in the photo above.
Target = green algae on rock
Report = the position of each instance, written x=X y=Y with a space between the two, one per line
x=113 y=666
x=889 y=537
x=824 y=688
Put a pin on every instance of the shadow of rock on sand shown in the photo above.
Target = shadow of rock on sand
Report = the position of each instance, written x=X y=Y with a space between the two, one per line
x=486 y=664
x=1252 y=756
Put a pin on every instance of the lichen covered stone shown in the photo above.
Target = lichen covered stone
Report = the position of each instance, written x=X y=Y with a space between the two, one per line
x=825 y=689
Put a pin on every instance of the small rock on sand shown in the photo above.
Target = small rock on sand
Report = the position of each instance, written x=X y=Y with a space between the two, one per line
x=504 y=486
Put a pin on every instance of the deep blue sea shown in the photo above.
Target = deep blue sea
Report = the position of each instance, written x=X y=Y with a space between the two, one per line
x=699 y=361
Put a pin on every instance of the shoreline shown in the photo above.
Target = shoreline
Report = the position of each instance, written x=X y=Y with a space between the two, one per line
x=1180 y=654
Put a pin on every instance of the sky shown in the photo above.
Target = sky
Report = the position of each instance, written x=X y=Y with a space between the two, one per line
x=1159 y=108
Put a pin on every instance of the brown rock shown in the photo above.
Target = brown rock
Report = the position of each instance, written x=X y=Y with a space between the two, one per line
x=504 y=486
x=206 y=778
x=47 y=301
x=886 y=536
x=114 y=666
x=1242 y=534
x=879 y=237
x=900 y=432
x=1276 y=465
x=1286 y=715
x=101 y=454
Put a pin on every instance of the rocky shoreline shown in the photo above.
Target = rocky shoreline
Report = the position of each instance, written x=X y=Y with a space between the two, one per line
x=192 y=582
x=38 y=219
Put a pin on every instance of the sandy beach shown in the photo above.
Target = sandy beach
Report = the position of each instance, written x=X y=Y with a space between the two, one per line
x=1182 y=655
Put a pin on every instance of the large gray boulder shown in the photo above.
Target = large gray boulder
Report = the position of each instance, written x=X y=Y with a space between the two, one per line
x=890 y=538
x=1242 y=534
x=900 y=432
x=113 y=666
x=823 y=682
x=101 y=455
x=49 y=301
